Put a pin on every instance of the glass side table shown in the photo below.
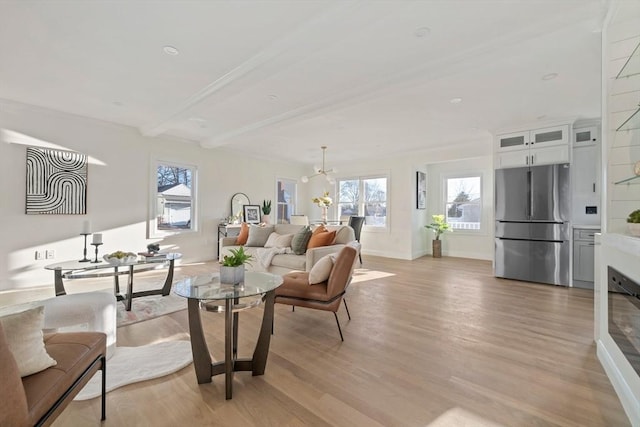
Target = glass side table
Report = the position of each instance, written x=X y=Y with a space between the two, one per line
x=203 y=291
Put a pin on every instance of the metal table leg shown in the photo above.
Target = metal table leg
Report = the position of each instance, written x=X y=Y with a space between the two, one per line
x=228 y=346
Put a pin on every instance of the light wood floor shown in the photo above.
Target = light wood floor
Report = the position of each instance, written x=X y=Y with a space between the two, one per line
x=432 y=342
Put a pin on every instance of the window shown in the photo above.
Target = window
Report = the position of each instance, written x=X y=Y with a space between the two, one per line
x=174 y=199
x=286 y=205
x=463 y=202
x=365 y=196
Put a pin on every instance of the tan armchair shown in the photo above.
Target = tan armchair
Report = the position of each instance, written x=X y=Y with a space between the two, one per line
x=296 y=290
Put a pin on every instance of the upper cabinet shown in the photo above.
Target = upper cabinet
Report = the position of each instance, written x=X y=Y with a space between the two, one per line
x=533 y=147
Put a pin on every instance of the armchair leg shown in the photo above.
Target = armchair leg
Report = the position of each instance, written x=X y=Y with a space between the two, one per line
x=360 y=256
x=104 y=388
x=339 y=329
x=344 y=300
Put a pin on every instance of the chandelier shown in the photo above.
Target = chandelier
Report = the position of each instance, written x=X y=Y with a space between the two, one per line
x=321 y=170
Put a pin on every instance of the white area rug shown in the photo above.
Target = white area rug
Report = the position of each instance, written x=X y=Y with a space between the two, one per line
x=134 y=364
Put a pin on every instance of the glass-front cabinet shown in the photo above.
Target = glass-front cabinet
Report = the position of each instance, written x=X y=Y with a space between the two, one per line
x=533 y=147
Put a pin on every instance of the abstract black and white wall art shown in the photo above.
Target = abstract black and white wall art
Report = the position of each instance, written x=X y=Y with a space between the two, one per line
x=56 y=182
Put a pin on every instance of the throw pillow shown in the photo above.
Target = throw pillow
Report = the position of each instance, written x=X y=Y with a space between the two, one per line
x=243 y=235
x=258 y=235
x=300 y=241
x=321 y=270
x=276 y=240
x=321 y=239
x=24 y=337
x=320 y=229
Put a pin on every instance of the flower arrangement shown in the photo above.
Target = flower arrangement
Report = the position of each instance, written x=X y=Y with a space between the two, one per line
x=439 y=225
x=324 y=201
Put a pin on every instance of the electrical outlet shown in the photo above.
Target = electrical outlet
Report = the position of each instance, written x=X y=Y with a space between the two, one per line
x=39 y=255
x=50 y=254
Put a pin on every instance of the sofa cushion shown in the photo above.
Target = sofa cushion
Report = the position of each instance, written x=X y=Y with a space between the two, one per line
x=23 y=331
x=300 y=241
x=321 y=270
x=276 y=240
x=258 y=236
x=290 y=261
x=243 y=235
x=325 y=238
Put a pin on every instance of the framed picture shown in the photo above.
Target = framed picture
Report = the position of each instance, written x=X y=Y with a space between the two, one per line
x=251 y=214
x=421 y=190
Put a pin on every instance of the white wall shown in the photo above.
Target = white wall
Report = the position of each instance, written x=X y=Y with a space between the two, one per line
x=119 y=179
x=622 y=148
x=460 y=243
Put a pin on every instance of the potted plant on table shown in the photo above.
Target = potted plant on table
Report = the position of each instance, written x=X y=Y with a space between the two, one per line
x=438 y=226
x=633 y=222
x=232 y=268
x=266 y=210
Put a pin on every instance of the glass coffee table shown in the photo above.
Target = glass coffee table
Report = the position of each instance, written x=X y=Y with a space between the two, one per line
x=206 y=292
x=85 y=270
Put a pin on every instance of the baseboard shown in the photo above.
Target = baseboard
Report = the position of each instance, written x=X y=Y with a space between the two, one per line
x=627 y=398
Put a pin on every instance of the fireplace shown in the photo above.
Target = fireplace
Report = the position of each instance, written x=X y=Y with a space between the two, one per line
x=624 y=315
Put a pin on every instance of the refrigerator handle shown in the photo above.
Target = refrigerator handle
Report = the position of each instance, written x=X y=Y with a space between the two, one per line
x=529 y=195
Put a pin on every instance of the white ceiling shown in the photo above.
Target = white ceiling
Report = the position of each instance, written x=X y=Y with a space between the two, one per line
x=358 y=76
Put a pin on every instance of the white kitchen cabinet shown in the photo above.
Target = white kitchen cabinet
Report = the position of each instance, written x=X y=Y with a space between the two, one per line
x=583 y=257
x=533 y=147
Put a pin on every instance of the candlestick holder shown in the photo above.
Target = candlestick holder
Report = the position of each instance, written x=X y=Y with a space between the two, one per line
x=84 y=252
x=96 y=245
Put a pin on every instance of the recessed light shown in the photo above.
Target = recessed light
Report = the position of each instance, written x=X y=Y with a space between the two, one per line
x=550 y=76
x=117 y=103
x=170 y=50
x=273 y=97
x=541 y=117
x=422 y=32
x=455 y=100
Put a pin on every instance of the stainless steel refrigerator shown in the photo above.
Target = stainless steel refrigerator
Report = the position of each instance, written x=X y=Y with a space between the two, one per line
x=532 y=208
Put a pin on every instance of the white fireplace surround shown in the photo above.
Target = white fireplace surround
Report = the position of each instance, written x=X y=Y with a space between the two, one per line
x=622 y=253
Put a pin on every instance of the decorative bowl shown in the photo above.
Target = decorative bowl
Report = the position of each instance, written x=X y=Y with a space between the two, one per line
x=127 y=258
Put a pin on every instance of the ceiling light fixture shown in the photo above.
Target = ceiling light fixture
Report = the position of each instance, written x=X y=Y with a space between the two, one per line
x=170 y=50
x=550 y=76
x=421 y=32
x=455 y=100
x=321 y=170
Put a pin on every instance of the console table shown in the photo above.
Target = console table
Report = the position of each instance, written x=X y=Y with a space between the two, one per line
x=227 y=230
x=83 y=270
x=203 y=291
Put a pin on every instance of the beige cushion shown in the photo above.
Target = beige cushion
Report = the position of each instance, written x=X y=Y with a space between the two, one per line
x=24 y=337
x=321 y=270
x=258 y=235
x=276 y=240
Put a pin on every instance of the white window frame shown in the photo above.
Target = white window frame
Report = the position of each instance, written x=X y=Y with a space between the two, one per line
x=152 y=223
x=472 y=174
x=361 y=201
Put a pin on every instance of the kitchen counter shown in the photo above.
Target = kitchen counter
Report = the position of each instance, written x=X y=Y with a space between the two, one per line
x=621 y=252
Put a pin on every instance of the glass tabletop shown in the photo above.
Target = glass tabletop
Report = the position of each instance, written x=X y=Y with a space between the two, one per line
x=77 y=265
x=208 y=286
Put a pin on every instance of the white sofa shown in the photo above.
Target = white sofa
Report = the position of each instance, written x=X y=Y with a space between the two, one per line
x=285 y=263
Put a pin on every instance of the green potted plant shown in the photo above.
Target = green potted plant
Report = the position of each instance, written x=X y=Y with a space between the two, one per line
x=232 y=268
x=633 y=221
x=438 y=226
x=266 y=210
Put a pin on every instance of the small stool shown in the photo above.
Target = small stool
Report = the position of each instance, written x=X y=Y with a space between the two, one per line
x=90 y=311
